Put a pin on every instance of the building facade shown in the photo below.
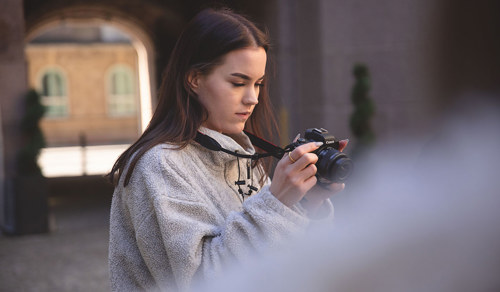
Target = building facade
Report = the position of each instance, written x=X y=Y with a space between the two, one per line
x=89 y=90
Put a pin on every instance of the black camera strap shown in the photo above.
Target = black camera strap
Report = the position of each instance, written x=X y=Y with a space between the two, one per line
x=270 y=149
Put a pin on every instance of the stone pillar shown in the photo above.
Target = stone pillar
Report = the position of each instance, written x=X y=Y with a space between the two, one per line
x=298 y=66
x=13 y=85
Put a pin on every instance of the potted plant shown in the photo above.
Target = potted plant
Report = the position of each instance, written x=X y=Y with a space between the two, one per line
x=364 y=109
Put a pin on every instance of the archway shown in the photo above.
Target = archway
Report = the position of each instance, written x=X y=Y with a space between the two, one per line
x=144 y=49
x=141 y=41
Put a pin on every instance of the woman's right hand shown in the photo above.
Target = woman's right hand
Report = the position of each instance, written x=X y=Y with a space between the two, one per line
x=295 y=174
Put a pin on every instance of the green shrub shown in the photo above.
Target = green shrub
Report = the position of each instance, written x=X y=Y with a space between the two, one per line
x=364 y=110
x=33 y=137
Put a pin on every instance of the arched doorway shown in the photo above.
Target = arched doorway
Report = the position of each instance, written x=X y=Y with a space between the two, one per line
x=143 y=21
x=123 y=88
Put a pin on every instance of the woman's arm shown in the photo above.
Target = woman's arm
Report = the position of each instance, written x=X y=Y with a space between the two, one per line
x=180 y=238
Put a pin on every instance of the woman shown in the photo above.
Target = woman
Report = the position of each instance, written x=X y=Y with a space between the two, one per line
x=180 y=211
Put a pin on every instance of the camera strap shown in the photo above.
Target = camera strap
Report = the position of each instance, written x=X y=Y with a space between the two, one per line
x=270 y=149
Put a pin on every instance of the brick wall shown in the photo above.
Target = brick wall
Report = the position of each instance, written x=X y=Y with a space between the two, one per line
x=85 y=67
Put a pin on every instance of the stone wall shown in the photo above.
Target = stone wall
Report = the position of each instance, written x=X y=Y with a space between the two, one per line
x=321 y=41
x=13 y=87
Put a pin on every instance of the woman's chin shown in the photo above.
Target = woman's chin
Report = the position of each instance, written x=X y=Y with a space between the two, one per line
x=233 y=130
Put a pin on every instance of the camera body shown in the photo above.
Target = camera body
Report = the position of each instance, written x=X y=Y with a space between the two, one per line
x=333 y=165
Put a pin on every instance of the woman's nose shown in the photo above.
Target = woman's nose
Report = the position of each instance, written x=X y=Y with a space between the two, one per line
x=251 y=96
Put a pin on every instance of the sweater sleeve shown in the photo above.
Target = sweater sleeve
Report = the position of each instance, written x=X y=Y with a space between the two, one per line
x=181 y=239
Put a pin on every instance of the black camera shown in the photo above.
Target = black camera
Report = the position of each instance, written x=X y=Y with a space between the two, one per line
x=332 y=165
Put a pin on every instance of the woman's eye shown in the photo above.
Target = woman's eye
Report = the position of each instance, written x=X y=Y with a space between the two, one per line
x=259 y=84
x=238 y=84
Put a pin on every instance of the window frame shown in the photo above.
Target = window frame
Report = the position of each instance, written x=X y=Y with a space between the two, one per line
x=113 y=99
x=54 y=100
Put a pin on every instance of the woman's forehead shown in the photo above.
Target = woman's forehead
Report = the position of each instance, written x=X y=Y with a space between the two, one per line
x=249 y=61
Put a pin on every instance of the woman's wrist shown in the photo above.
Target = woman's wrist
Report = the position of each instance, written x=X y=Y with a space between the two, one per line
x=313 y=207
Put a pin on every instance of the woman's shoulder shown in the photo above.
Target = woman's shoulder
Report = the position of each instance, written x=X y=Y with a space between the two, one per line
x=169 y=156
x=160 y=160
x=162 y=154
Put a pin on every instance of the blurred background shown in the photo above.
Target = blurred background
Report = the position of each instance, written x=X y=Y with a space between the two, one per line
x=376 y=72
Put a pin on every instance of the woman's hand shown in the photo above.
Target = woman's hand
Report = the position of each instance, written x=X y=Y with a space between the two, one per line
x=319 y=193
x=295 y=174
x=315 y=198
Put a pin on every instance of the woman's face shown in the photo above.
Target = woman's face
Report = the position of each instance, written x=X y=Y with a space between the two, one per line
x=231 y=90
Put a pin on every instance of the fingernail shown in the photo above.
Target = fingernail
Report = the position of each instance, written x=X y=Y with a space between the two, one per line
x=318 y=143
x=296 y=137
x=346 y=140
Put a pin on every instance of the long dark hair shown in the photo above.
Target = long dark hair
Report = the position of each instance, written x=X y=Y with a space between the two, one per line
x=209 y=36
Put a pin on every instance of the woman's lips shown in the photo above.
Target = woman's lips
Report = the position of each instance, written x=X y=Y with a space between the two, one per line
x=243 y=115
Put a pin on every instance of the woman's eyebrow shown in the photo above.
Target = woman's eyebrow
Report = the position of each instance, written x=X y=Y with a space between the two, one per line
x=243 y=76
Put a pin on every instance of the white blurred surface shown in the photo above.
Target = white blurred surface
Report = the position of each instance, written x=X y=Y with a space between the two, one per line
x=76 y=161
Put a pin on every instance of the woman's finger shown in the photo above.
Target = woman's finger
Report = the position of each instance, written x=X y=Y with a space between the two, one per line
x=343 y=144
x=308 y=172
x=296 y=138
x=298 y=152
x=304 y=161
x=336 y=187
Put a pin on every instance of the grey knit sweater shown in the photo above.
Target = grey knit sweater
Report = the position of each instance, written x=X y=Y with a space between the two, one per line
x=181 y=218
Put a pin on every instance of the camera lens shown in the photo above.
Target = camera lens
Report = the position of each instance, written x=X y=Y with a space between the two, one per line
x=333 y=165
x=343 y=169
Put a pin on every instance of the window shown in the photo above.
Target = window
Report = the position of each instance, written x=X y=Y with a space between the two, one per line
x=121 y=92
x=53 y=91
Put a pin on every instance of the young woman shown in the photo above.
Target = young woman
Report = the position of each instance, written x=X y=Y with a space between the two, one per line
x=181 y=211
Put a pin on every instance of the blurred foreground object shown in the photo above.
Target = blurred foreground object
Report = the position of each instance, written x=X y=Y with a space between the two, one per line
x=424 y=225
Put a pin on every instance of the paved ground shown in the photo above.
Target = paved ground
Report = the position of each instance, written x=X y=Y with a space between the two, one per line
x=73 y=256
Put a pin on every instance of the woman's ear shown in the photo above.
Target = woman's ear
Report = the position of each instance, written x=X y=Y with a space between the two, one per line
x=193 y=79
